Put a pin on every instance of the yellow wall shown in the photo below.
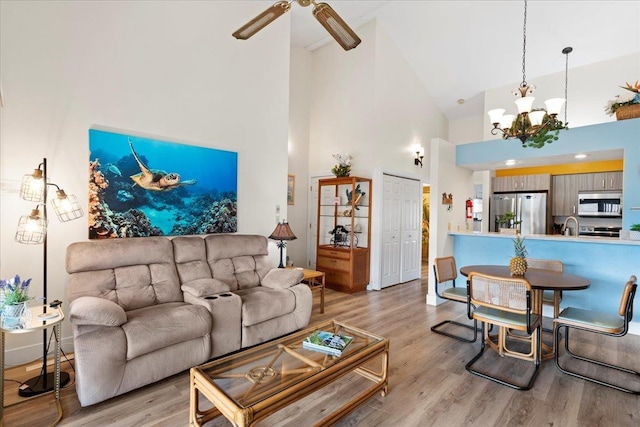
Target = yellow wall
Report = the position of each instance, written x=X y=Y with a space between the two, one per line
x=565 y=169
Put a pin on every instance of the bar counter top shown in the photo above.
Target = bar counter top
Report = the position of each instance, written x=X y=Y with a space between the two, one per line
x=553 y=238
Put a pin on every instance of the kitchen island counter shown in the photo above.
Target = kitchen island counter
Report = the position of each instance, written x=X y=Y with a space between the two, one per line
x=553 y=238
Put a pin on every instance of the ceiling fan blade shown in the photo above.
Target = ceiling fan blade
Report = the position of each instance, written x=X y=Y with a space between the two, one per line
x=338 y=29
x=265 y=18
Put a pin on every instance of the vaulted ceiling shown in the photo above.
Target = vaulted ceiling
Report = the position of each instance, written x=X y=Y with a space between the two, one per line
x=461 y=48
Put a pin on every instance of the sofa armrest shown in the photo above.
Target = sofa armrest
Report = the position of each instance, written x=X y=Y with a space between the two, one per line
x=282 y=278
x=204 y=287
x=96 y=311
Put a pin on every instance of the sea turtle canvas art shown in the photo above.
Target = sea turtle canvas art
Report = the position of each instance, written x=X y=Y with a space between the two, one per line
x=195 y=192
x=156 y=180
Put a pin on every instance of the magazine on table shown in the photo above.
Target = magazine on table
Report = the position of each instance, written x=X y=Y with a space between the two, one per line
x=327 y=342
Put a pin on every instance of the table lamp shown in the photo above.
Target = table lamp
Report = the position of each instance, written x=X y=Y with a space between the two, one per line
x=282 y=233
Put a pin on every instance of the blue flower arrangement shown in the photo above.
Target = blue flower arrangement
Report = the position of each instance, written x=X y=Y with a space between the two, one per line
x=14 y=290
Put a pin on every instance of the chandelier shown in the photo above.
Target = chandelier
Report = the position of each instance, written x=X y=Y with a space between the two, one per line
x=534 y=127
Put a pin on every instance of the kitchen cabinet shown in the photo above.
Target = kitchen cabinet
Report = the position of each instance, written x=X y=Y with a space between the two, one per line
x=601 y=181
x=564 y=199
x=538 y=182
x=344 y=232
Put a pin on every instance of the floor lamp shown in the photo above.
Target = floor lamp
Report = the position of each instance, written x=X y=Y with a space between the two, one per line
x=282 y=233
x=32 y=229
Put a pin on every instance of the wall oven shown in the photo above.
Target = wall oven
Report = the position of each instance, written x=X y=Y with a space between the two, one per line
x=600 y=204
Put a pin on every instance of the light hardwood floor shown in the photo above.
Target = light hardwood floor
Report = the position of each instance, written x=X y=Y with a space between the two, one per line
x=429 y=385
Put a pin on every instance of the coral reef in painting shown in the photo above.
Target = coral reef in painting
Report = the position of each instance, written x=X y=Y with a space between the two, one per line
x=117 y=209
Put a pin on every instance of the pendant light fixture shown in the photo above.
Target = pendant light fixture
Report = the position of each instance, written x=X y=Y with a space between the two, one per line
x=534 y=127
x=324 y=13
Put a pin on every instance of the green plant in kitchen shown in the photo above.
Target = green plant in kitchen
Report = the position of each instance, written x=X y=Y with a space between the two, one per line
x=518 y=264
x=635 y=227
x=634 y=233
x=508 y=220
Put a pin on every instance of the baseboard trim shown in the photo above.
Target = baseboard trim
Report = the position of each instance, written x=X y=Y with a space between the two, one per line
x=31 y=353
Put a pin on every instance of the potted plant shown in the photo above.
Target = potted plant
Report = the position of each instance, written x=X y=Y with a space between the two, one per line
x=627 y=105
x=634 y=233
x=14 y=297
x=507 y=223
x=343 y=168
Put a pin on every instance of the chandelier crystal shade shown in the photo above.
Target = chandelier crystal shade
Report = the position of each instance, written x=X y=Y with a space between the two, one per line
x=534 y=127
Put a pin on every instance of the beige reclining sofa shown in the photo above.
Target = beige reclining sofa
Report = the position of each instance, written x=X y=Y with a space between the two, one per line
x=146 y=308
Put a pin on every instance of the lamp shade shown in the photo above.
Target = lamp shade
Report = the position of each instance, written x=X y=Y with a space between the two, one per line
x=554 y=105
x=66 y=206
x=32 y=187
x=283 y=232
x=495 y=115
x=32 y=229
x=524 y=104
x=536 y=117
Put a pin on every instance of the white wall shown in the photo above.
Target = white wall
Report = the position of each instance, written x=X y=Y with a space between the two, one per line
x=369 y=102
x=447 y=178
x=168 y=69
x=299 y=119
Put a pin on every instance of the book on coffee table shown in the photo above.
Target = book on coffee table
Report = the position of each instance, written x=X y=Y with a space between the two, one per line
x=327 y=342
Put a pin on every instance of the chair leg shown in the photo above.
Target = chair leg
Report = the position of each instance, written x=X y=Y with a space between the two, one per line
x=573 y=355
x=474 y=328
x=469 y=365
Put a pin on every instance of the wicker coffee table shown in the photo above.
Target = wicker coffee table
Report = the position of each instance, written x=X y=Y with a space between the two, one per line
x=250 y=385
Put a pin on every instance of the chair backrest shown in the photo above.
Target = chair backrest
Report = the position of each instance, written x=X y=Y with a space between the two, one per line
x=626 y=303
x=445 y=269
x=508 y=294
x=545 y=264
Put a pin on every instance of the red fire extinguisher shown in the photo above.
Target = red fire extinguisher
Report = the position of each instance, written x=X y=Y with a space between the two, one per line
x=469 y=208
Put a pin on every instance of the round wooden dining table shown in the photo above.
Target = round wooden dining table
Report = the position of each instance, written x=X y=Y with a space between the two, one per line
x=540 y=281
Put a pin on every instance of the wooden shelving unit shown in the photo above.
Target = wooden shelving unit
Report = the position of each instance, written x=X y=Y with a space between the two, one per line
x=344 y=232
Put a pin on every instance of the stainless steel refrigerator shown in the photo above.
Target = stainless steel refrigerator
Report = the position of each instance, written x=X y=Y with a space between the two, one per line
x=530 y=210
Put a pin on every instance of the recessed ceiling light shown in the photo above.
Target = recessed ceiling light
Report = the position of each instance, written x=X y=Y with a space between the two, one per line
x=460 y=101
x=511 y=162
x=580 y=156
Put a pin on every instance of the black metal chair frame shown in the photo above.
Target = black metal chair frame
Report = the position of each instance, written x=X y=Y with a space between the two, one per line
x=628 y=316
x=530 y=330
x=435 y=328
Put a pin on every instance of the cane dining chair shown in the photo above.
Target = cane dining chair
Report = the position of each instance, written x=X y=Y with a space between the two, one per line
x=507 y=304
x=598 y=322
x=445 y=271
x=551 y=298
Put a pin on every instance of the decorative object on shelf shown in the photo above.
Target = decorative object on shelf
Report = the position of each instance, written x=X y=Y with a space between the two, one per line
x=282 y=233
x=634 y=232
x=327 y=17
x=533 y=127
x=419 y=155
x=343 y=168
x=359 y=195
x=32 y=229
x=627 y=105
x=518 y=264
x=342 y=237
x=291 y=189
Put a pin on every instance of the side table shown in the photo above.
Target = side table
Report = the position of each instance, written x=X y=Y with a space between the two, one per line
x=311 y=276
x=41 y=317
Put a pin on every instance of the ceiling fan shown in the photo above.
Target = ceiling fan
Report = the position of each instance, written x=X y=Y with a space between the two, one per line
x=324 y=13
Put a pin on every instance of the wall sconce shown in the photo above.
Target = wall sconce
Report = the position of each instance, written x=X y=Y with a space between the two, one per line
x=419 y=155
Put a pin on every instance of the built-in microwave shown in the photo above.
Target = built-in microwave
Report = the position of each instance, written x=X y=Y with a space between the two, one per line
x=600 y=203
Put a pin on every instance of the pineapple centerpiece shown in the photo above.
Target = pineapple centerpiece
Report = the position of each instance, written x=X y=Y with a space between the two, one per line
x=518 y=264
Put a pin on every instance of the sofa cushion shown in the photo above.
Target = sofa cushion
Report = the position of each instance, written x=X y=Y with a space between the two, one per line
x=155 y=327
x=204 y=287
x=260 y=304
x=96 y=311
x=282 y=278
